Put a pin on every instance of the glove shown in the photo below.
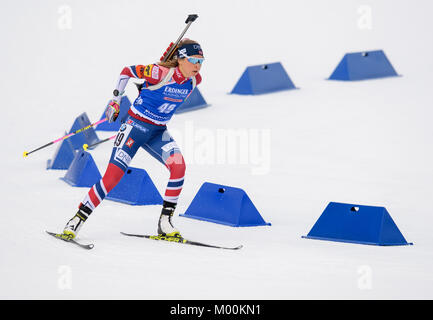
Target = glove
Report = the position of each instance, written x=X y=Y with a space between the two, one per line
x=112 y=111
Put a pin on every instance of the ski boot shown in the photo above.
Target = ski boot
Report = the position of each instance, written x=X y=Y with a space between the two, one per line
x=74 y=225
x=165 y=226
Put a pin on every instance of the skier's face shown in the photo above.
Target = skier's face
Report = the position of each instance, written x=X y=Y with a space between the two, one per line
x=188 y=68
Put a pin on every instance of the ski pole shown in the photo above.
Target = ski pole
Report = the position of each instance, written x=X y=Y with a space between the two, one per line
x=86 y=146
x=25 y=154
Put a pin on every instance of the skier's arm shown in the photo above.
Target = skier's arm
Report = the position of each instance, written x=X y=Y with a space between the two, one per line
x=151 y=73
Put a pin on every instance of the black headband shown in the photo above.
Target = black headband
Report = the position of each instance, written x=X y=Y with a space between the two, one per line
x=189 y=49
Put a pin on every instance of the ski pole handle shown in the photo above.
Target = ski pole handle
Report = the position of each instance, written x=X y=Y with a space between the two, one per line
x=25 y=154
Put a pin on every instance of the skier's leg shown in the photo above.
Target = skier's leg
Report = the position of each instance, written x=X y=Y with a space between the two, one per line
x=126 y=144
x=99 y=191
x=176 y=165
x=164 y=149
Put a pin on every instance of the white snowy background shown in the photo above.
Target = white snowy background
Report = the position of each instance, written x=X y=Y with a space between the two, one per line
x=365 y=142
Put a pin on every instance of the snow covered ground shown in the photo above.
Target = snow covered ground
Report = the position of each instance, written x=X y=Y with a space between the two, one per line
x=365 y=142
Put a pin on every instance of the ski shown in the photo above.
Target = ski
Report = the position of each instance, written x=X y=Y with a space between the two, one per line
x=66 y=238
x=180 y=240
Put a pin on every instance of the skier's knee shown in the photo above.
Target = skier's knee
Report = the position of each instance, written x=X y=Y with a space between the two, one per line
x=176 y=164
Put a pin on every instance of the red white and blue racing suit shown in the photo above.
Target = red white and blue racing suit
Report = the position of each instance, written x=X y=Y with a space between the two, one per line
x=164 y=89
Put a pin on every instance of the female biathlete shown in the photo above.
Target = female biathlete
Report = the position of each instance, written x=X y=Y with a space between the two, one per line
x=166 y=86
